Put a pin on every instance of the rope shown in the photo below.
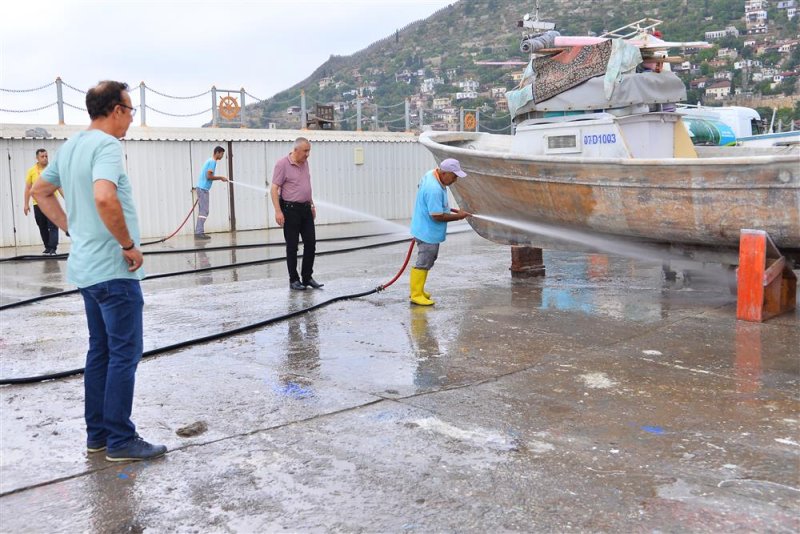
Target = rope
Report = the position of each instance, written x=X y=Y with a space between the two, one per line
x=27 y=90
x=176 y=97
x=28 y=110
x=179 y=114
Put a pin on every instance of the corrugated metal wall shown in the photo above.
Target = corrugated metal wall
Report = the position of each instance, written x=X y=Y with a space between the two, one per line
x=19 y=155
x=164 y=172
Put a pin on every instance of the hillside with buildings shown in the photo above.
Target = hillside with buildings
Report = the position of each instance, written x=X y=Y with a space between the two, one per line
x=435 y=64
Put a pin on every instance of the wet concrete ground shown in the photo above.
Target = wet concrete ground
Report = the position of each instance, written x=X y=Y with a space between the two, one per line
x=598 y=398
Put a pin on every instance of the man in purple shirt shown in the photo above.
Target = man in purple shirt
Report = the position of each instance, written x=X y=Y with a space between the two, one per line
x=295 y=212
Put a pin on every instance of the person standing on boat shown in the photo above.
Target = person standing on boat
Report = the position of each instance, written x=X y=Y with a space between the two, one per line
x=295 y=212
x=105 y=263
x=47 y=230
x=204 y=183
x=429 y=223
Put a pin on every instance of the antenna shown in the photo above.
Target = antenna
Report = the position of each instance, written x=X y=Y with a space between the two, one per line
x=535 y=24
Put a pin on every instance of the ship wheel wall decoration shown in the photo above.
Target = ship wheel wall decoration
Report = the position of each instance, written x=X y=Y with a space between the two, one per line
x=228 y=107
x=469 y=121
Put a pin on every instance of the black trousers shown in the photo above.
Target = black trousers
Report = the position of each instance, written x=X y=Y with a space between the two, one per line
x=47 y=230
x=299 y=222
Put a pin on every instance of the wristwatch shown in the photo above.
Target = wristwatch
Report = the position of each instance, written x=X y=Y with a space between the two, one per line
x=129 y=247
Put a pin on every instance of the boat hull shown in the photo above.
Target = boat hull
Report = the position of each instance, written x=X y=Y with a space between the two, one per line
x=698 y=203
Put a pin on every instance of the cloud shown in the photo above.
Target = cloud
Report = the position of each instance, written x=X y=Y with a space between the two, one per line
x=183 y=47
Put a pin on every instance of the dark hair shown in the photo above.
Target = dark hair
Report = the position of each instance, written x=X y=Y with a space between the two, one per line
x=104 y=97
x=40 y=151
x=218 y=149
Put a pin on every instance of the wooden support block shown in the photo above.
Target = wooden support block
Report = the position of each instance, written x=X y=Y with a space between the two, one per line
x=766 y=285
x=526 y=261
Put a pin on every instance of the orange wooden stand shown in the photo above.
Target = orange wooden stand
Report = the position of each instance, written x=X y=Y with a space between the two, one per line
x=766 y=285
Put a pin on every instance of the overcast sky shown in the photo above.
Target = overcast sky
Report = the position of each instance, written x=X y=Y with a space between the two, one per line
x=180 y=48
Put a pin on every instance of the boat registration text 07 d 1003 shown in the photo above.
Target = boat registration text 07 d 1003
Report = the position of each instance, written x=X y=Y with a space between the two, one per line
x=600 y=139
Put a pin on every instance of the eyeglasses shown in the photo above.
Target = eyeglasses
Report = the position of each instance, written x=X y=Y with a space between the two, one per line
x=133 y=110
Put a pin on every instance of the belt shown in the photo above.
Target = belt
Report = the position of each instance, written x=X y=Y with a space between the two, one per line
x=297 y=205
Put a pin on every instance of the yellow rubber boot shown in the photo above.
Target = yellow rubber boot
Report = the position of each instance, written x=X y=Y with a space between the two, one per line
x=424 y=293
x=417 y=280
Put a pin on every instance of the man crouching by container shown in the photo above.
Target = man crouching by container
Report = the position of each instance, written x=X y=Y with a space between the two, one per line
x=105 y=263
x=429 y=223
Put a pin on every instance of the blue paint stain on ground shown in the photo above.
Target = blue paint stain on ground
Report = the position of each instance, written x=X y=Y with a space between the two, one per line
x=123 y=476
x=294 y=390
x=653 y=429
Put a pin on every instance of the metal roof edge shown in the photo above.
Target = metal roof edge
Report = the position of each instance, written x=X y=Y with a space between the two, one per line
x=147 y=133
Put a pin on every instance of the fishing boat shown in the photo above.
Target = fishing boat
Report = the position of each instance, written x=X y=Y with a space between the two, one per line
x=598 y=149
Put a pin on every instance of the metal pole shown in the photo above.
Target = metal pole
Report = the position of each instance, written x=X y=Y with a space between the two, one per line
x=303 y=117
x=142 y=104
x=477 y=120
x=358 y=114
x=408 y=117
x=461 y=119
x=231 y=189
x=376 y=117
x=214 y=110
x=242 y=113
x=421 y=118
x=60 y=99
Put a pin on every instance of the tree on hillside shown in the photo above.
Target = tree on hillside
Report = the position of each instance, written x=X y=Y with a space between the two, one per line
x=794 y=58
x=787 y=85
x=771 y=58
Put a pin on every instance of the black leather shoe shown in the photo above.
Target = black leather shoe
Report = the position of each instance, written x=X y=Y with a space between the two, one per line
x=313 y=283
x=297 y=285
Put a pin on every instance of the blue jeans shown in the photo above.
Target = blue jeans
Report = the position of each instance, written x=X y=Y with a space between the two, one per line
x=114 y=314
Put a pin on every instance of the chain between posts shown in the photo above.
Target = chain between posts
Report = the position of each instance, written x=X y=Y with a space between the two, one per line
x=393 y=120
x=482 y=127
x=74 y=107
x=377 y=108
x=65 y=84
x=278 y=102
x=28 y=110
x=175 y=97
x=346 y=119
x=178 y=114
x=27 y=90
x=403 y=103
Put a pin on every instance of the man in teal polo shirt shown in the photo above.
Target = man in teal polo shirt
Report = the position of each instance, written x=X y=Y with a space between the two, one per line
x=429 y=223
x=204 y=183
x=105 y=263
